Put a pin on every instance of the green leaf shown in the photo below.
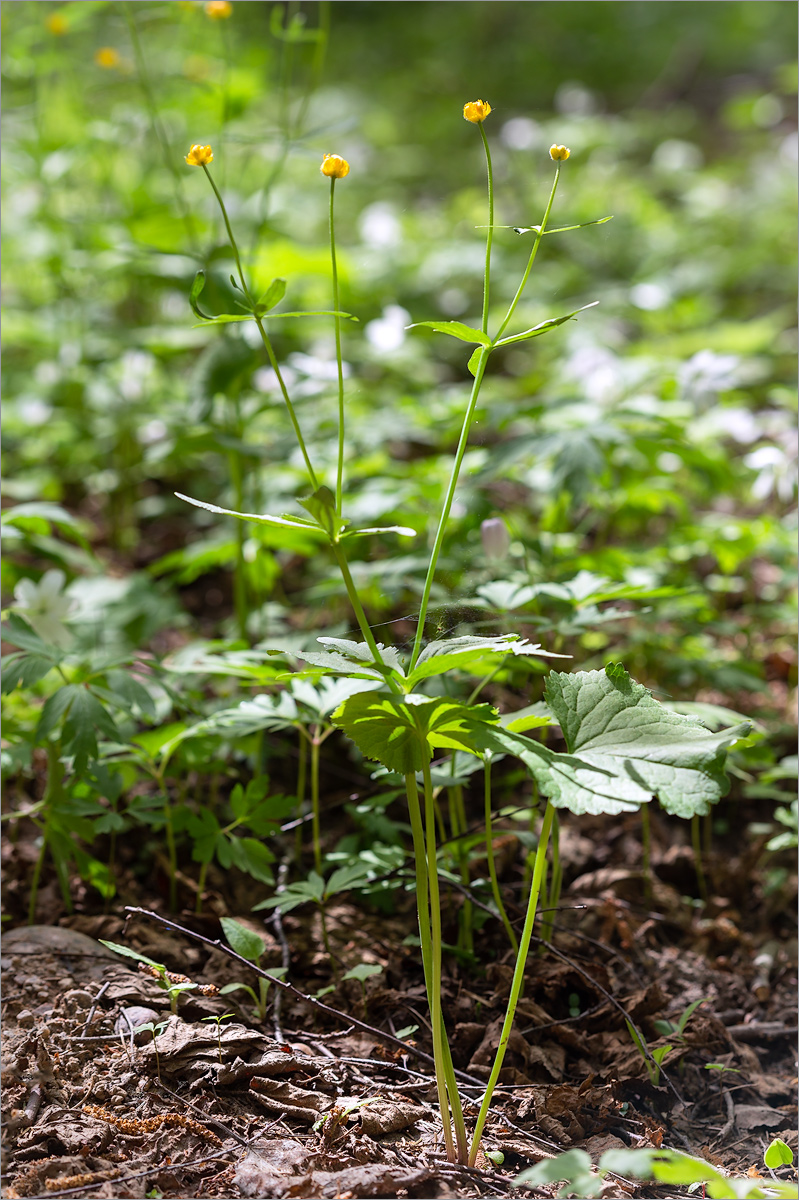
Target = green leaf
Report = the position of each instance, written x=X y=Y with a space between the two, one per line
x=778 y=1154
x=126 y=952
x=561 y=229
x=403 y=732
x=617 y=728
x=273 y=295
x=361 y=653
x=343 y=878
x=312 y=888
x=456 y=329
x=544 y=326
x=245 y=942
x=467 y=652
x=19 y=633
x=24 y=669
x=261 y=518
x=253 y=857
x=474 y=362
x=228 y=318
x=574 y=1166
x=196 y=288
x=402 y=530
x=322 y=506
x=363 y=971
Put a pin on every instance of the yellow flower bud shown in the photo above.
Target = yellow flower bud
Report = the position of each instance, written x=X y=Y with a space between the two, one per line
x=334 y=166
x=56 y=24
x=106 y=57
x=218 y=10
x=200 y=156
x=559 y=153
x=476 y=111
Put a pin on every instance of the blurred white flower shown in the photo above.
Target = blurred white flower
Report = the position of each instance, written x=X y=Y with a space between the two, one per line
x=379 y=225
x=45 y=607
x=387 y=333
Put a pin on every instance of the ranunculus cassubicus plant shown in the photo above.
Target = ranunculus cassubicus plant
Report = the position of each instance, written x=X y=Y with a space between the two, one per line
x=623 y=747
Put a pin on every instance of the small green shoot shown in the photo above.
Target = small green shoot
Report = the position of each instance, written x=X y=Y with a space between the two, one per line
x=249 y=945
x=219 y=1021
x=172 y=983
x=778 y=1154
x=652 y=1068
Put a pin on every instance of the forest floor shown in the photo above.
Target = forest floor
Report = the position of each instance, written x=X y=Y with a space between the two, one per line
x=322 y=1100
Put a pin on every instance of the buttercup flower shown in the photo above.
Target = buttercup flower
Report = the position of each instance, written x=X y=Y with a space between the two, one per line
x=476 y=111
x=56 y=24
x=106 y=57
x=217 y=10
x=200 y=156
x=559 y=153
x=334 y=166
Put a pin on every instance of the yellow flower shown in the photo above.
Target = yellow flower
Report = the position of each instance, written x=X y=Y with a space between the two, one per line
x=218 y=10
x=559 y=153
x=56 y=24
x=476 y=111
x=106 y=57
x=334 y=166
x=200 y=156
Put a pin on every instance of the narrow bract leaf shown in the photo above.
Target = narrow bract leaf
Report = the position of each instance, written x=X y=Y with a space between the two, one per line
x=560 y=229
x=196 y=288
x=126 y=952
x=456 y=329
x=544 y=326
x=474 y=361
x=402 y=530
x=273 y=295
x=262 y=518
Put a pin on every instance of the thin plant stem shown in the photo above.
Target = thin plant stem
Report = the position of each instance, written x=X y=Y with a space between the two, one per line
x=490 y=234
x=357 y=607
x=696 y=842
x=538 y=239
x=317 y=847
x=425 y=937
x=435 y=962
x=198 y=905
x=646 y=852
x=171 y=853
x=264 y=336
x=555 y=884
x=459 y=828
x=302 y=772
x=339 y=364
x=492 y=868
x=450 y=496
x=518 y=979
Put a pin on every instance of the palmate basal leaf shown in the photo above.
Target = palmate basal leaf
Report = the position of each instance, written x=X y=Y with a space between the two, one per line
x=615 y=726
x=403 y=732
x=472 y=654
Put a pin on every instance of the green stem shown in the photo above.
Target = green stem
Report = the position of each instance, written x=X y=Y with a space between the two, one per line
x=450 y=496
x=696 y=842
x=302 y=771
x=436 y=1015
x=646 y=852
x=171 y=854
x=538 y=239
x=198 y=906
x=317 y=847
x=357 y=607
x=490 y=234
x=264 y=336
x=518 y=979
x=492 y=869
x=239 y=581
x=457 y=814
x=337 y=319
x=556 y=882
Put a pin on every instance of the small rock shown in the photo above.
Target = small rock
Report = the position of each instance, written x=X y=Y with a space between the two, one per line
x=133 y=1017
x=25 y=1018
x=78 y=999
